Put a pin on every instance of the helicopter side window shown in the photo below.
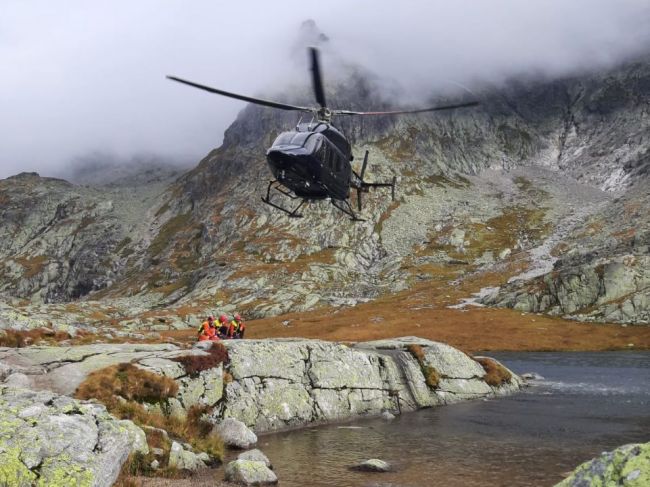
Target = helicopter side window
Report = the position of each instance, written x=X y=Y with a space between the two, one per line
x=332 y=159
x=338 y=163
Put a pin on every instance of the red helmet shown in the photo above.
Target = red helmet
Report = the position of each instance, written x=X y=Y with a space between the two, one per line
x=211 y=318
x=223 y=318
x=237 y=316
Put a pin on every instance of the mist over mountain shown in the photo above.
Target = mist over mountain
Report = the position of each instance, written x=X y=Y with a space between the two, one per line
x=90 y=78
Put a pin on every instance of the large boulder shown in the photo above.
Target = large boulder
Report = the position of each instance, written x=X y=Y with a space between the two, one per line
x=628 y=465
x=56 y=440
x=250 y=473
x=255 y=456
x=235 y=433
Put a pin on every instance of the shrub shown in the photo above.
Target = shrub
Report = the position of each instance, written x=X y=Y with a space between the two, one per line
x=495 y=373
x=417 y=351
x=195 y=364
x=139 y=465
x=431 y=375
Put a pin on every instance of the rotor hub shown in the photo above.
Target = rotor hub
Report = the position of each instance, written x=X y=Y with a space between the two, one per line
x=324 y=114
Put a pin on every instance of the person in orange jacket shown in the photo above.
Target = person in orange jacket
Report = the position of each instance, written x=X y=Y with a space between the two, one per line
x=237 y=327
x=207 y=331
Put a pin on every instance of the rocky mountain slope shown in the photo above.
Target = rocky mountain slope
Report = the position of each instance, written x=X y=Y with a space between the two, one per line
x=541 y=191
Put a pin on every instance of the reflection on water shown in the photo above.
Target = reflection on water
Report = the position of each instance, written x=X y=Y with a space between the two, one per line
x=587 y=403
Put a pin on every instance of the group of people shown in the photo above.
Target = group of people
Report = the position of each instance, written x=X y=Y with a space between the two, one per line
x=222 y=329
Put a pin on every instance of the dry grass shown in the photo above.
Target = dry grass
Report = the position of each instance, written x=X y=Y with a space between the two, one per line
x=195 y=364
x=38 y=336
x=128 y=382
x=33 y=265
x=495 y=373
x=139 y=465
x=122 y=388
x=423 y=311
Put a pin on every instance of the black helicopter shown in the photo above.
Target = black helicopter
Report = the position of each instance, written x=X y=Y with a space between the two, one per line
x=313 y=162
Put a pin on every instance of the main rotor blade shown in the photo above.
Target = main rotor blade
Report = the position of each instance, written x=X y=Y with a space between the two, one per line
x=399 y=112
x=250 y=99
x=317 y=80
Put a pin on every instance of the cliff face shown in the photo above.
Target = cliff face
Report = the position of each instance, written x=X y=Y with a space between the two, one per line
x=545 y=183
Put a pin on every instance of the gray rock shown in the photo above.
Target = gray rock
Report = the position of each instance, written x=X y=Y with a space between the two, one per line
x=61 y=442
x=532 y=376
x=284 y=383
x=183 y=459
x=235 y=433
x=627 y=465
x=372 y=465
x=255 y=456
x=388 y=416
x=250 y=473
x=18 y=379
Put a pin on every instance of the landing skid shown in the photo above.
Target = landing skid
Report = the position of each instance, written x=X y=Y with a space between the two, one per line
x=347 y=209
x=364 y=187
x=277 y=186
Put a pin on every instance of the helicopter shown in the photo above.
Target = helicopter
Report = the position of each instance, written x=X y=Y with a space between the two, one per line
x=313 y=161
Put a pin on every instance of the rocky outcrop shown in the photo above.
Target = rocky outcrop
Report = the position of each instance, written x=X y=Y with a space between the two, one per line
x=287 y=383
x=606 y=289
x=52 y=440
x=276 y=384
x=62 y=369
x=628 y=465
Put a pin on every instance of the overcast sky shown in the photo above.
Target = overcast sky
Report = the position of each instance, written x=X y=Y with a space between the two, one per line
x=80 y=77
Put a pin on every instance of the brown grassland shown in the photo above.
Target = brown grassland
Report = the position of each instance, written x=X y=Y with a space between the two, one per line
x=422 y=311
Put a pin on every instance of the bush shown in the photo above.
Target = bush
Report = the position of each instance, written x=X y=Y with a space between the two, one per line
x=495 y=373
x=195 y=364
x=417 y=351
x=431 y=375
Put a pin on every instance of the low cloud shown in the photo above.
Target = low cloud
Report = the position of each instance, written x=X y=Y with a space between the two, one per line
x=87 y=77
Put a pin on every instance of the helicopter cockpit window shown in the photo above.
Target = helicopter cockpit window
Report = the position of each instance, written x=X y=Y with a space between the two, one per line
x=284 y=138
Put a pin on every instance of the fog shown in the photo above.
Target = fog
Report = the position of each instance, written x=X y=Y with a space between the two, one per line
x=83 y=77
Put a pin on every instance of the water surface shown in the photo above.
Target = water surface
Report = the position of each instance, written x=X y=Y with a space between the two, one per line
x=587 y=403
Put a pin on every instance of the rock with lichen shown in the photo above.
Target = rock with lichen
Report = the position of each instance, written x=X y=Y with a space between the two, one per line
x=628 y=465
x=52 y=440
